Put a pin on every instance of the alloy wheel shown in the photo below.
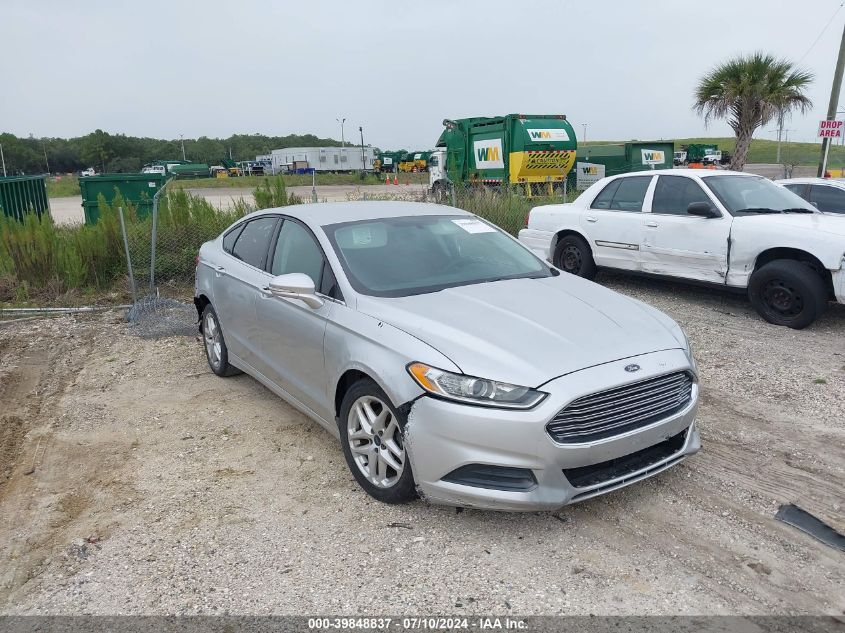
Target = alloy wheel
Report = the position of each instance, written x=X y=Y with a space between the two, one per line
x=213 y=340
x=375 y=440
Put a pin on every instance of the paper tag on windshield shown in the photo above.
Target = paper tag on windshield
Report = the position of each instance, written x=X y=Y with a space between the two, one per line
x=474 y=226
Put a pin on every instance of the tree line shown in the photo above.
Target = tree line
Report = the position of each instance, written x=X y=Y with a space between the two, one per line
x=116 y=153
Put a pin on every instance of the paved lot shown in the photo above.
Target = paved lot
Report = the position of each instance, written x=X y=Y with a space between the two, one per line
x=132 y=480
x=69 y=210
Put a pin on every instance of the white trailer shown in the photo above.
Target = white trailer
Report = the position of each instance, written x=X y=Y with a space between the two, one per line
x=322 y=159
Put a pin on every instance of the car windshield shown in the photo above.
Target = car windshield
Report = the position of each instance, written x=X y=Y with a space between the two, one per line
x=398 y=257
x=743 y=195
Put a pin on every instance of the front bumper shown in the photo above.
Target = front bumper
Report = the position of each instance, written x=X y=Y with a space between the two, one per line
x=443 y=436
x=839 y=283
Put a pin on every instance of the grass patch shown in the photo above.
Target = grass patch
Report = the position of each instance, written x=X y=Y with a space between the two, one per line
x=62 y=187
x=45 y=263
x=507 y=210
x=820 y=381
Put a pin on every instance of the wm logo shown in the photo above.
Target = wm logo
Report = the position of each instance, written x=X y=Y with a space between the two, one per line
x=590 y=170
x=652 y=156
x=537 y=134
x=487 y=153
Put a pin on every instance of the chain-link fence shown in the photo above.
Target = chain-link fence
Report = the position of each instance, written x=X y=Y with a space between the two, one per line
x=162 y=249
x=161 y=255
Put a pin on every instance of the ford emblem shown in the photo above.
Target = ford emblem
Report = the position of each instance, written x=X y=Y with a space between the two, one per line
x=632 y=368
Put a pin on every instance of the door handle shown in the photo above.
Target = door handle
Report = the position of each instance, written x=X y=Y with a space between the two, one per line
x=651 y=224
x=592 y=219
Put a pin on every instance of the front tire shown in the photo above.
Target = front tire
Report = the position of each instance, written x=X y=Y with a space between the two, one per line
x=216 y=351
x=788 y=292
x=372 y=435
x=573 y=255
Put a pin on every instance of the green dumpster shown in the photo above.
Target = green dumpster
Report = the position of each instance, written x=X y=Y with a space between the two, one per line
x=137 y=189
x=621 y=158
x=20 y=195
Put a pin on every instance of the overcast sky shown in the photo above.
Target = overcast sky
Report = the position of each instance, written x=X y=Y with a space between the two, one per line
x=165 y=68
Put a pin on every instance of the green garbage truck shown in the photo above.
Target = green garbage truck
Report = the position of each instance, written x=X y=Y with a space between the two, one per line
x=527 y=150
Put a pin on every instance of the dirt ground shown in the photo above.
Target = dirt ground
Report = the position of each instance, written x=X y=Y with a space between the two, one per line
x=133 y=480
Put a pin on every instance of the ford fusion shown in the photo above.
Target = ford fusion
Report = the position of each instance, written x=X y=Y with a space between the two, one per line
x=450 y=361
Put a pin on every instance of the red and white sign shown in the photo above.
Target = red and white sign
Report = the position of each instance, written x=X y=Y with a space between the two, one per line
x=830 y=129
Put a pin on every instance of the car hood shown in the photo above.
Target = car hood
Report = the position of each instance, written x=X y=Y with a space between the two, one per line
x=527 y=331
x=817 y=222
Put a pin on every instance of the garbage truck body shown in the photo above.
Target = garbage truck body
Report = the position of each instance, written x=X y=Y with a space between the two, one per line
x=515 y=149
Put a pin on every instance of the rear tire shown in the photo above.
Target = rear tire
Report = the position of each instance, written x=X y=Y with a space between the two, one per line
x=788 y=292
x=216 y=351
x=573 y=255
x=372 y=436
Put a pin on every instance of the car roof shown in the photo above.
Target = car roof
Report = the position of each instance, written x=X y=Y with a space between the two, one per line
x=807 y=180
x=685 y=171
x=326 y=213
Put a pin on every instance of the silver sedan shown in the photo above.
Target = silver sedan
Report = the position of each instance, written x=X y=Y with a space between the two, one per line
x=450 y=361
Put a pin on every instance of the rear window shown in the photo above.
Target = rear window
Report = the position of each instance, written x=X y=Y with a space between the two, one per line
x=230 y=238
x=253 y=243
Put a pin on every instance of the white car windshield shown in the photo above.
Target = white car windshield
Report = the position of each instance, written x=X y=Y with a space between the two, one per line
x=397 y=257
x=755 y=195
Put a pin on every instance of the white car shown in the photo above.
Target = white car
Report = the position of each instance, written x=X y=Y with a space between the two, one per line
x=727 y=229
x=88 y=172
x=827 y=195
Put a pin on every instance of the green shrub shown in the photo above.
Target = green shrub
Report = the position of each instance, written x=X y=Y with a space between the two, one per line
x=272 y=193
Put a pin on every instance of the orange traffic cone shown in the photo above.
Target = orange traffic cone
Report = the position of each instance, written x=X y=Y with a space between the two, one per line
x=387 y=180
x=395 y=180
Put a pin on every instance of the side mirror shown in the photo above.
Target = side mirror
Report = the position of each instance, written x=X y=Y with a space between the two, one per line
x=703 y=210
x=295 y=286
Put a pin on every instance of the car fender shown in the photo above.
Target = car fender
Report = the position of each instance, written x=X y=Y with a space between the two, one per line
x=749 y=241
x=356 y=341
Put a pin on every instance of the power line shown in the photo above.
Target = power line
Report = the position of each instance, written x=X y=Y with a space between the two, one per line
x=816 y=41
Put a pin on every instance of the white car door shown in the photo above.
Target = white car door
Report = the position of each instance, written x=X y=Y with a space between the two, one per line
x=678 y=244
x=613 y=222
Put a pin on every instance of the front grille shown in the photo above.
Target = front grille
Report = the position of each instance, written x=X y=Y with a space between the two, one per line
x=615 y=411
x=623 y=466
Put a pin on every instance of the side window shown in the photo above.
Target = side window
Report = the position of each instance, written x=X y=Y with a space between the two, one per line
x=798 y=189
x=630 y=194
x=230 y=238
x=297 y=252
x=254 y=240
x=673 y=194
x=603 y=200
x=829 y=199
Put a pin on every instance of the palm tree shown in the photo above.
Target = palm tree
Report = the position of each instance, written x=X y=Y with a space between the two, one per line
x=749 y=92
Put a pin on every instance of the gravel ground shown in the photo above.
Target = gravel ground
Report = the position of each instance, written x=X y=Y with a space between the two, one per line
x=132 y=480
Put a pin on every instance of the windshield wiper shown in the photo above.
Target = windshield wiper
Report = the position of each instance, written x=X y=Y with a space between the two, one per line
x=798 y=210
x=758 y=210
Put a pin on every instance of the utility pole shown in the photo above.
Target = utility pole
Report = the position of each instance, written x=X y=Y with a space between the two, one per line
x=834 y=100
x=584 y=137
x=46 y=162
x=342 y=140
x=363 y=159
x=182 y=138
x=3 y=160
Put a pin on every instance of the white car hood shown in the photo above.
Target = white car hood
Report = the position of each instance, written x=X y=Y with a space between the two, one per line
x=527 y=331
x=817 y=222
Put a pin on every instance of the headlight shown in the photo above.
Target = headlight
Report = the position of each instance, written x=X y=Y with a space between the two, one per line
x=472 y=390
